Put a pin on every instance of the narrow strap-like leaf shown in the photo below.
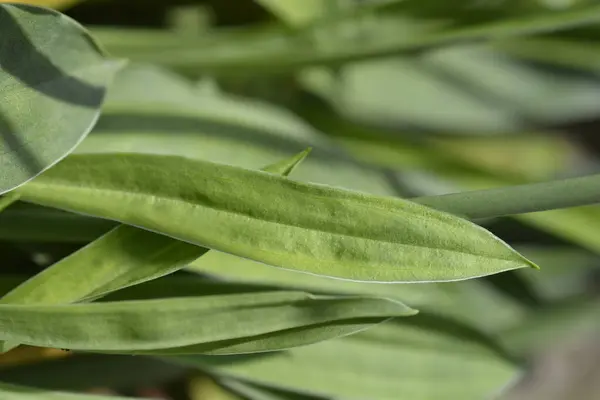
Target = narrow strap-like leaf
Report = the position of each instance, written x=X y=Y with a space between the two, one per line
x=306 y=227
x=123 y=257
x=130 y=326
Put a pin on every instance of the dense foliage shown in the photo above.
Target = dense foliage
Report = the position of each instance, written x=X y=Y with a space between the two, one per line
x=264 y=207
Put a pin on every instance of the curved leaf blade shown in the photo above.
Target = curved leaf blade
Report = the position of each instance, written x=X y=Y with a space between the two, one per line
x=53 y=80
x=391 y=361
x=260 y=216
x=124 y=257
x=130 y=326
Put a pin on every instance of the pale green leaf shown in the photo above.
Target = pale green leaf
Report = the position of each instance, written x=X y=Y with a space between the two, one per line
x=425 y=358
x=173 y=118
x=568 y=271
x=53 y=79
x=294 y=225
x=198 y=322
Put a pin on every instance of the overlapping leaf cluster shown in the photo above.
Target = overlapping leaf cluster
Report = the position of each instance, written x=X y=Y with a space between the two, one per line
x=196 y=243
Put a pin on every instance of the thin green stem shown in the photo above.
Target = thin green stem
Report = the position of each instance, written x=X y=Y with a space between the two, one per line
x=519 y=199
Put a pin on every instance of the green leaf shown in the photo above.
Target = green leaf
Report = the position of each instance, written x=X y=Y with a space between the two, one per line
x=173 y=118
x=372 y=32
x=306 y=227
x=79 y=372
x=29 y=223
x=8 y=200
x=255 y=322
x=466 y=89
x=392 y=361
x=193 y=286
x=568 y=271
x=255 y=392
x=297 y=12
x=123 y=257
x=547 y=328
x=58 y=4
x=53 y=79
x=13 y=392
x=577 y=225
x=572 y=54
x=469 y=301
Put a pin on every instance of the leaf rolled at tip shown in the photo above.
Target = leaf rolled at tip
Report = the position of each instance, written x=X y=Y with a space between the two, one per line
x=129 y=326
x=299 y=226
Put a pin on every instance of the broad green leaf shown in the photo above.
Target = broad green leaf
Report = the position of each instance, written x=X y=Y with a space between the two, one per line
x=53 y=79
x=171 y=118
x=124 y=257
x=451 y=175
x=467 y=89
x=394 y=360
x=13 y=392
x=197 y=322
x=294 y=225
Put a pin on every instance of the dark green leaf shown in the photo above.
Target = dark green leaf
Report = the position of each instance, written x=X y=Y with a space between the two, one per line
x=12 y=392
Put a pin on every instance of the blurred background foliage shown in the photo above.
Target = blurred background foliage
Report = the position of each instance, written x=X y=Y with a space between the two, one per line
x=400 y=98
